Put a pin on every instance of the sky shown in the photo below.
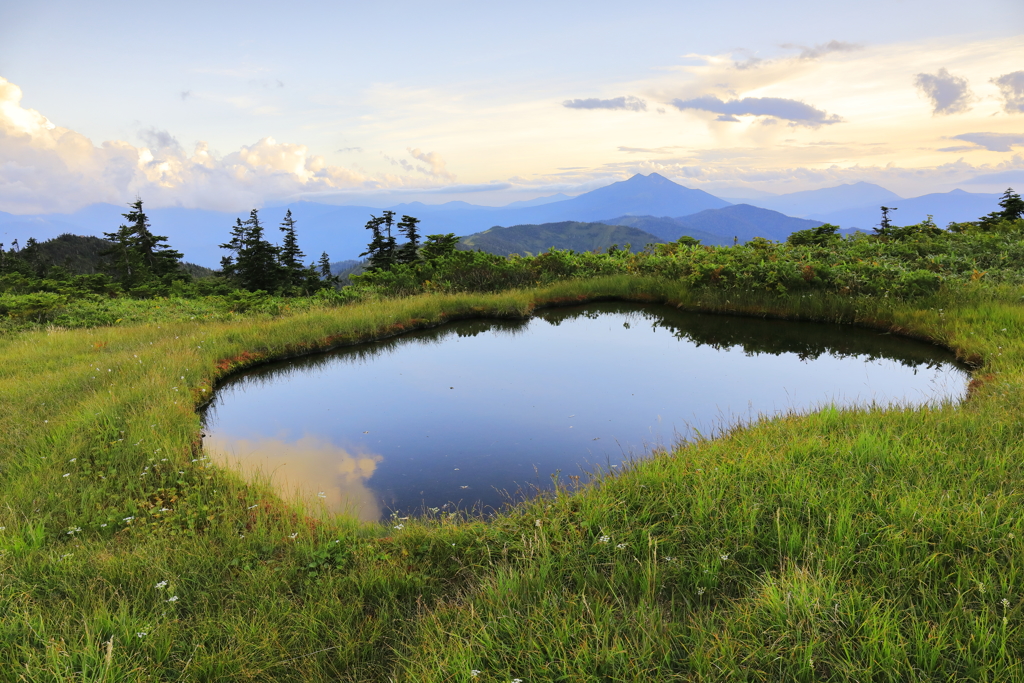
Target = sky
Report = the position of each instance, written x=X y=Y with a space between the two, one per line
x=233 y=105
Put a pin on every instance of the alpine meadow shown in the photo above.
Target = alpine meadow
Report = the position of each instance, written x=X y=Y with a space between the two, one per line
x=872 y=543
x=512 y=343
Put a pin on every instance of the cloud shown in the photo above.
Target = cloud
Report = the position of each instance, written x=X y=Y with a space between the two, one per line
x=999 y=177
x=750 y=171
x=797 y=112
x=399 y=162
x=185 y=94
x=349 y=149
x=437 y=164
x=994 y=142
x=749 y=63
x=46 y=168
x=267 y=83
x=949 y=94
x=159 y=139
x=650 y=150
x=629 y=103
x=823 y=49
x=1011 y=86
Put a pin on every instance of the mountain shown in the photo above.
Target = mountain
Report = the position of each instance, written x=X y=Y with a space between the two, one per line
x=956 y=205
x=827 y=200
x=536 y=239
x=652 y=195
x=669 y=229
x=83 y=255
x=539 y=201
x=741 y=222
x=640 y=195
x=339 y=230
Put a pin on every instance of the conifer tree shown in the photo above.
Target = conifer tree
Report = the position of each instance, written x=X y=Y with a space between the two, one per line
x=325 y=266
x=437 y=246
x=409 y=252
x=1012 y=209
x=381 y=249
x=138 y=255
x=229 y=264
x=1012 y=205
x=290 y=259
x=255 y=262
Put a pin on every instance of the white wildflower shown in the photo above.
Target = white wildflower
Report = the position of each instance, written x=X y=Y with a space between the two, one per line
x=399 y=526
x=604 y=539
x=162 y=584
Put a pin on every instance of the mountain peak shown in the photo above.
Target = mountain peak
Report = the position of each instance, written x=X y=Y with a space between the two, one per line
x=653 y=178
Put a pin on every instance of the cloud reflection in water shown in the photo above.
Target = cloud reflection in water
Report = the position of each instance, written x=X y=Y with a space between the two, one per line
x=302 y=469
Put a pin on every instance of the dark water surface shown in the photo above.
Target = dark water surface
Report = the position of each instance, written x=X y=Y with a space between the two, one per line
x=468 y=413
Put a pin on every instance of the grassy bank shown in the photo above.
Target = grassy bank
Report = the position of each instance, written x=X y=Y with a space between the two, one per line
x=844 y=545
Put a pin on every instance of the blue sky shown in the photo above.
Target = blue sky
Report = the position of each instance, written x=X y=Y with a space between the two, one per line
x=233 y=105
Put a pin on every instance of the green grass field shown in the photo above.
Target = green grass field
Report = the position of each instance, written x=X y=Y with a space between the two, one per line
x=846 y=545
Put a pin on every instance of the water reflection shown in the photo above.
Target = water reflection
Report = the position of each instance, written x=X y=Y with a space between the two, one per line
x=464 y=414
x=309 y=469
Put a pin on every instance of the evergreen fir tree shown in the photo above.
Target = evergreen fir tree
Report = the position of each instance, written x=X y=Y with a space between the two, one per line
x=255 y=262
x=437 y=246
x=1012 y=209
x=138 y=255
x=1012 y=205
x=290 y=258
x=325 y=266
x=229 y=264
x=409 y=252
x=158 y=259
x=381 y=249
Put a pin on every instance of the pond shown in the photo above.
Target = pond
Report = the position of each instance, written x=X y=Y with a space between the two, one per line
x=476 y=413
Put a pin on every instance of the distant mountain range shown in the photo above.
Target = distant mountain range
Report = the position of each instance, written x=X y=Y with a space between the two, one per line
x=858 y=205
x=956 y=205
x=637 y=203
x=669 y=229
x=825 y=201
x=735 y=223
x=536 y=239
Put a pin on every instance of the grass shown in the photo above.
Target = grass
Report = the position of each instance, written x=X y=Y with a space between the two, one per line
x=869 y=544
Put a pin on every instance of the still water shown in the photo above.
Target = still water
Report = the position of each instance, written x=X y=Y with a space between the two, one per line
x=475 y=413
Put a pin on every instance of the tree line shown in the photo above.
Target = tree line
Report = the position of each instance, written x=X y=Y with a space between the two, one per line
x=133 y=260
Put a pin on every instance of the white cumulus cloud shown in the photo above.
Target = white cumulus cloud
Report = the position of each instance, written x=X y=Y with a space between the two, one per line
x=437 y=164
x=47 y=168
